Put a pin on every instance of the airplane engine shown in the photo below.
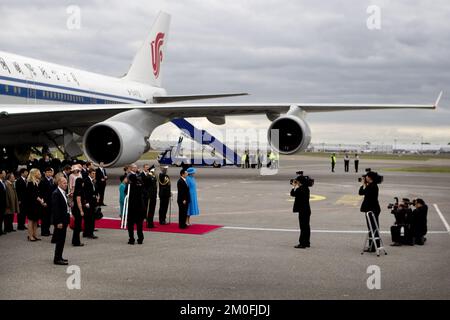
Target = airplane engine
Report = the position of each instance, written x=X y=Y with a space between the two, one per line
x=289 y=134
x=115 y=143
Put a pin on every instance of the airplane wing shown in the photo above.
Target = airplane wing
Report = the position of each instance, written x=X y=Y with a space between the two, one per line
x=56 y=116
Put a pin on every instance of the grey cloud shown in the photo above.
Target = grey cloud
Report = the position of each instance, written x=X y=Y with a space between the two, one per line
x=312 y=51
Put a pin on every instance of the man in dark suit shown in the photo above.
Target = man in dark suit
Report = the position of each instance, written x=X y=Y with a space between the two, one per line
x=183 y=199
x=92 y=199
x=67 y=169
x=150 y=189
x=61 y=219
x=44 y=163
x=301 y=193
x=46 y=188
x=419 y=217
x=101 y=178
x=136 y=207
x=21 y=186
x=2 y=199
x=84 y=170
x=165 y=194
x=370 y=190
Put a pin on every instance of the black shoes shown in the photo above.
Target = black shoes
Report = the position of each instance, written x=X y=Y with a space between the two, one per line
x=140 y=241
x=90 y=237
x=78 y=245
x=131 y=242
x=61 y=262
x=300 y=246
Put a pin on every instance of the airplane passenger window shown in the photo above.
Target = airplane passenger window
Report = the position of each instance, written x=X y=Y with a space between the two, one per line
x=4 y=65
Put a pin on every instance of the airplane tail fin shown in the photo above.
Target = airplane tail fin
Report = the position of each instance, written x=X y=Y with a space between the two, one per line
x=148 y=62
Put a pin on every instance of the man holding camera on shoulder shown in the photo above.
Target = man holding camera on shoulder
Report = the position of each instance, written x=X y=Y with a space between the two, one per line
x=300 y=190
x=369 y=190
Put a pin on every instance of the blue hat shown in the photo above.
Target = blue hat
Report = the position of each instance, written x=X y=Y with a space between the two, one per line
x=191 y=170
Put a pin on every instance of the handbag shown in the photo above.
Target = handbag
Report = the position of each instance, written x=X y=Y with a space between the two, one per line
x=72 y=223
x=98 y=214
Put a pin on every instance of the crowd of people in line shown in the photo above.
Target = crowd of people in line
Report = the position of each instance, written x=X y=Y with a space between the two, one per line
x=34 y=195
x=144 y=186
x=45 y=193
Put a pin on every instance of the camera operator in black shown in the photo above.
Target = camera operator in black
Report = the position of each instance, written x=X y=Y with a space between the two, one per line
x=402 y=213
x=301 y=193
x=419 y=222
x=369 y=190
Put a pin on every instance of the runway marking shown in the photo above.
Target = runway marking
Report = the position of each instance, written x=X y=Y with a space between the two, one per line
x=442 y=218
x=312 y=197
x=348 y=199
x=298 y=230
x=318 y=231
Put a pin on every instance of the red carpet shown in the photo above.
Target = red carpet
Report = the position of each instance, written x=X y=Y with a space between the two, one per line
x=113 y=223
x=199 y=229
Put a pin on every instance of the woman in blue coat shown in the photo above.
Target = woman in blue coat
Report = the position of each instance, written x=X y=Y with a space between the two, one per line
x=193 y=204
x=122 y=187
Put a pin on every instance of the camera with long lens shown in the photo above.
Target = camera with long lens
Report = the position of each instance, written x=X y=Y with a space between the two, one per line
x=304 y=180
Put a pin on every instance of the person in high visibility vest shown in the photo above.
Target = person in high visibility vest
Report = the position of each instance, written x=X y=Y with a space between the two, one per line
x=243 y=158
x=333 y=162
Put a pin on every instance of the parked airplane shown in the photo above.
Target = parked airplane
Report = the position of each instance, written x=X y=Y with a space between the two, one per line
x=45 y=104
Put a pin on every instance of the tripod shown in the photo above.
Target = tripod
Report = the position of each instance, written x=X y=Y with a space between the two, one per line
x=373 y=236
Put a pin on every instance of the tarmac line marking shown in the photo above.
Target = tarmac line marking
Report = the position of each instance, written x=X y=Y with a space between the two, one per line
x=318 y=231
x=442 y=218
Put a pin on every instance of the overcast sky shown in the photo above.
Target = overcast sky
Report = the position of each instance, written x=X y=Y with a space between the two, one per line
x=278 y=51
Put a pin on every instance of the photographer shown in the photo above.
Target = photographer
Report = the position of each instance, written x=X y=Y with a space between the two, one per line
x=369 y=190
x=301 y=193
x=402 y=214
x=419 y=222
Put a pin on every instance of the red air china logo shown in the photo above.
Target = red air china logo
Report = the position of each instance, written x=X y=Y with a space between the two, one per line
x=157 y=55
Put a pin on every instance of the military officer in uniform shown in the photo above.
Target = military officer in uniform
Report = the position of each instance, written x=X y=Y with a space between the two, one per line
x=165 y=194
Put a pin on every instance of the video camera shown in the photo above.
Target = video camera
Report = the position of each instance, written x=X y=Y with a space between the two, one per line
x=376 y=178
x=393 y=205
x=405 y=202
x=304 y=180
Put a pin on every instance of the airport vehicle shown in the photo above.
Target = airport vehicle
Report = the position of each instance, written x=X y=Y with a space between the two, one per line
x=45 y=104
x=173 y=156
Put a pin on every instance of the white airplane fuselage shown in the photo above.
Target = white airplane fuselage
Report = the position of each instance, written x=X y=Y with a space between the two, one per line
x=29 y=81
